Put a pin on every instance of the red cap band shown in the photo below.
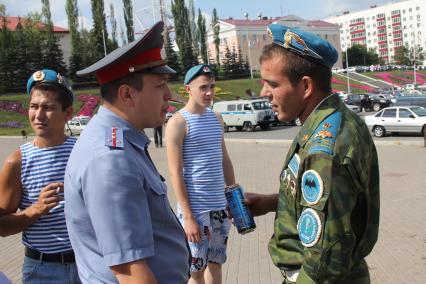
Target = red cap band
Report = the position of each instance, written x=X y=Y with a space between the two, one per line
x=121 y=69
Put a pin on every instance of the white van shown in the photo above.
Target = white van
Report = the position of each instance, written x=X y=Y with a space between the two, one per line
x=76 y=125
x=245 y=114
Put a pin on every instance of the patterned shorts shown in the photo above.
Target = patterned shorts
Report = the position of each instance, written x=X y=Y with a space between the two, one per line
x=209 y=250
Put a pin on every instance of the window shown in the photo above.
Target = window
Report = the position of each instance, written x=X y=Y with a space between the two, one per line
x=389 y=113
x=231 y=108
x=247 y=107
x=404 y=113
x=417 y=8
x=379 y=114
x=239 y=107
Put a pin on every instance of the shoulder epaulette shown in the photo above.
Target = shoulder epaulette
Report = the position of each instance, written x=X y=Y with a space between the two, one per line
x=324 y=136
x=114 y=137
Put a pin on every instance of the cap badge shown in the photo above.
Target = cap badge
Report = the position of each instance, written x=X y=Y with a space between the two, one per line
x=38 y=76
x=206 y=69
x=309 y=227
x=131 y=69
x=312 y=187
x=301 y=46
x=324 y=134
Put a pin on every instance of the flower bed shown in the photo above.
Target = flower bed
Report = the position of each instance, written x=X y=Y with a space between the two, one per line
x=12 y=124
x=89 y=104
x=11 y=106
x=420 y=77
x=362 y=87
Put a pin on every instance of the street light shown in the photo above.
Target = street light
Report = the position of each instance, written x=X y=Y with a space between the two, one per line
x=347 y=71
x=103 y=37
x=248 y=47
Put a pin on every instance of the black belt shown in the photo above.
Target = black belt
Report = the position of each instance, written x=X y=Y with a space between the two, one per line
x=67 y=257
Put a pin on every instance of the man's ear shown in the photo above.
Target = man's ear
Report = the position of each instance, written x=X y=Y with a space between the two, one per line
x=125 y=95
x=308 y=86
x=187 y=88
x=68 y=113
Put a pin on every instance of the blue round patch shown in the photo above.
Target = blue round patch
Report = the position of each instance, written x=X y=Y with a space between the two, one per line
x=309 y=227
x=312 y=187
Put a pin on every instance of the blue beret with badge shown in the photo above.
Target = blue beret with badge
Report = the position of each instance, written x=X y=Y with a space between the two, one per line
x=305 y=44
x=196 y=71
x=50 y=77
x=141 y=55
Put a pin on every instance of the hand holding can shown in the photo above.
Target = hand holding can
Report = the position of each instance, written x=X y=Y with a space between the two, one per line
x=243 y=219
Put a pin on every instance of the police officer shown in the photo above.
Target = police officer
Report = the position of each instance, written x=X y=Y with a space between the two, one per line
x=327 y=208
x=119 y=218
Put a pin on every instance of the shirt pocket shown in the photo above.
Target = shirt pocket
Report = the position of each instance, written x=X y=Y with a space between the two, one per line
x=161 y=213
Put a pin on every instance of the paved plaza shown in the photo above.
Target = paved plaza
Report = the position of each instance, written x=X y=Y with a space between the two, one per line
x=398 y=257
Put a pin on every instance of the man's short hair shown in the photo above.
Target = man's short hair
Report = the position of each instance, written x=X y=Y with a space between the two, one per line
x=109 y=90
x=62 y=97
x=296 y=67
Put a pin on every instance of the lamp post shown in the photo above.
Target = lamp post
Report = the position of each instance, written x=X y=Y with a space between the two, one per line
x=414 y=55
x=248 y=47
x=347 y=71
x=103 y=38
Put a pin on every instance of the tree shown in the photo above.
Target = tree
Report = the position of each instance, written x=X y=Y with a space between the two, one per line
x=183 y=34
x=7 y=53
x=99 y=32
x=53 y=57
x=201 y=36
x=76 y=59
x=193 y=27
x=113 y=22
x=359 y=55
x=172 y=59
x=216 y=38
x=406 y=56
x=128 y=19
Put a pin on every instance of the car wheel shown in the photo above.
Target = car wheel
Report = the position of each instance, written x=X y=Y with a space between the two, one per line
x=225 y=128
x=379 y=131
x=376 y=107
x=248 y=126
x=264 y=126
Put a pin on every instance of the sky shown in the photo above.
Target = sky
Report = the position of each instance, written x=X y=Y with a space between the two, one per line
x=144 y=16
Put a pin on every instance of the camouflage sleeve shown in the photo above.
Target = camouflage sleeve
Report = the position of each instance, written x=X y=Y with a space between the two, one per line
x=329 y=195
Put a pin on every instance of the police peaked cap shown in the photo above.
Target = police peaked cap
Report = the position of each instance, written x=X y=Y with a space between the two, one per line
x=141 y=55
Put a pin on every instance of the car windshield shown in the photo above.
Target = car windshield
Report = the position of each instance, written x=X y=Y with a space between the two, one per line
x=420 y=111
x=261 y=105
x=84 y=121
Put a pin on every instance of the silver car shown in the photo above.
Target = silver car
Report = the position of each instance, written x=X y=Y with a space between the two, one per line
x=76 y=125
x=407 y=119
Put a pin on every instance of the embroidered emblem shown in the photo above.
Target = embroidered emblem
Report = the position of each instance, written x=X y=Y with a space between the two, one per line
x=293 y=188
x=38 y=76
x=293 y=165
x=283 y=175
x=206 y=69
x=312 y=187
x=114 y=137
x=324 y=134
x=326 y=125
x=299 y=45
x=305 y=137
x=309 y=227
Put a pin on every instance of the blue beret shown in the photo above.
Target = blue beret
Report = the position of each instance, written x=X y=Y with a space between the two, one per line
x=305 y=44
x=197 y=71
x=141 y=55
x=50 y=77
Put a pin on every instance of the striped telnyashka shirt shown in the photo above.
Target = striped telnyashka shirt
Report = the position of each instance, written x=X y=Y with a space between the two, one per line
x=202 y=159
x=41 y=166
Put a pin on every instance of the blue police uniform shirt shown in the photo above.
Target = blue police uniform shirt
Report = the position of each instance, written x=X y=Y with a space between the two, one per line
x=117 y=210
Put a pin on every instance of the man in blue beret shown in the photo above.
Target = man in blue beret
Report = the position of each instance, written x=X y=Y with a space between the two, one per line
x=327 y=208
x=118 y=215
x=200 y=167
x=31 y=180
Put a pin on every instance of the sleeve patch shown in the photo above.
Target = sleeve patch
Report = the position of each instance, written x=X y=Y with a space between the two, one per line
x=309 y=227
x=312 y=187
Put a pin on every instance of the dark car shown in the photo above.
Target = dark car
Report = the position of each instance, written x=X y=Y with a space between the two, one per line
x=368 y=101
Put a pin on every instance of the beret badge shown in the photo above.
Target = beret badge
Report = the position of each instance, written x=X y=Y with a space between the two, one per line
x=38 y=76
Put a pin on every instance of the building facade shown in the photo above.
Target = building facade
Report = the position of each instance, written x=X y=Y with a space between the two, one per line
x=384 y=28
x=250 y=36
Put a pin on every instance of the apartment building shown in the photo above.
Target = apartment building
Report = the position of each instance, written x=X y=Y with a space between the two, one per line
x=251 y=35
x=384 y=28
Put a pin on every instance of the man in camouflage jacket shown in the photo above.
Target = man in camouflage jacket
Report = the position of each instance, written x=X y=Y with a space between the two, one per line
x=327 y=209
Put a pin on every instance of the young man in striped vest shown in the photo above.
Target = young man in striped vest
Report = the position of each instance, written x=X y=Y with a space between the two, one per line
x=200 y=168
x=31 y=180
